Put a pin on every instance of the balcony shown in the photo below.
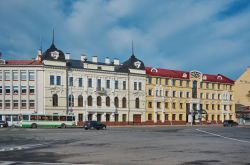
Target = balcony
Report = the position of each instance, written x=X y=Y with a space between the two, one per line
x=101 y=91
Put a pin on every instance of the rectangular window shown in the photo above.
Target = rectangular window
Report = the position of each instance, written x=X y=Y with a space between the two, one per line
x=212 y=96
x=201 y=85
x=187 y=94
x=218 y=96
x=187 y=84
x=173 y=105
x=207 y=85
x=180 y=117
x=173 y=117
x=150 y=92
x=166 y=117
x=15 y=75
x=23 y=104
x=116 y=84
x=156 y=92
x=174 y=93
x=158 y=117
x=201 y=94
x=158 y=105
x=71 y=83
x=80 y=82
x=31 y=75
x=173 y=82
x=23 y=76
x=181 y=94
x=213 y=85
x=1 y=76
x=7 y=104
x=207 y=107
x=116 y=117
x=166 y=81
x=231 y=97
x=150 y=80
x=99 y=84
x=181 y=105
x=31 y=89
x=15 y=90
x=24 y=89
x=7 y=90
x=181 y=83
x=212 y=106
x=218 y=107
x=207 y=96
x=58 y=80
x=150 y=104
x=124 y=117
x=225 y=107
x=1 y=104
x=89 y=82
x=135 y=85
x=32 y=104
x=166 y=105
x=140 y=86
x=166 y=93
x=52 y=80
x=124 y=85
x=7 y=76
x=230 y=107
x=1 y=90
x=15 y=104
x=108 y=84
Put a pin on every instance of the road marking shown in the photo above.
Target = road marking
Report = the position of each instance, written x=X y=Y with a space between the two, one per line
x=22 y=147
x=43 y=163
x=243 y=141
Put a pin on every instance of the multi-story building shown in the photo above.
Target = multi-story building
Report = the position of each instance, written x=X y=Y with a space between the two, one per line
x=21 y=88
x=242 y=94
x=180 y=97
x=89 y=89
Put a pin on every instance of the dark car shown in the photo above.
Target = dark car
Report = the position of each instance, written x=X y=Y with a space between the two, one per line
x=94 y=125
x=229 y=123
x=3 y=124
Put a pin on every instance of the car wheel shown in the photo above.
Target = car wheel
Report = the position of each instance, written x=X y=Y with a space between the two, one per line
x=63 y=125
x=33 y=125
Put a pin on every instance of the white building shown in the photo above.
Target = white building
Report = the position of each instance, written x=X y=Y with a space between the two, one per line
x=91 y=90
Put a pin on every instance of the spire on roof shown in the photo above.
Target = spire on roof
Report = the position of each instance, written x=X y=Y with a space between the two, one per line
x=53 y=37
x=133 y=48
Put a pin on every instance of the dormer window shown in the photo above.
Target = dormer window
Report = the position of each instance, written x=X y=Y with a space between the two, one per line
x=55 y=55
x=154 y=70
x=219 y=78
x=204 y=77
x=184 y=75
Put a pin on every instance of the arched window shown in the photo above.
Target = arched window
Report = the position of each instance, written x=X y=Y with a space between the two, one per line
x=80 y=101
x=89 y=100
x=71 y=101
x=99 y=101
x=116 y=102
x=137 y=103
x=124 y=102
x=55 y=100
x=108 y=101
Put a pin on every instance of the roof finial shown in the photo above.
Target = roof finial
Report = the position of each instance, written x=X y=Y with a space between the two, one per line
x=41 y=43
x=132 y=48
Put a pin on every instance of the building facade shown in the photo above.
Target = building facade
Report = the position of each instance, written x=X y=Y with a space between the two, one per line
x=112 y=92
x=242 y=94
x=179 y=97
x=91 y=90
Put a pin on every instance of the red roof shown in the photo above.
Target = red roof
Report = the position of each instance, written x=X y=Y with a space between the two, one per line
x=23 y=62
x=185 y=75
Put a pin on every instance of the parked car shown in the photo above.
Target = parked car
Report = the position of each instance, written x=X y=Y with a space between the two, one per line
x=3 y=124
x=229 y=123
x=94 y=125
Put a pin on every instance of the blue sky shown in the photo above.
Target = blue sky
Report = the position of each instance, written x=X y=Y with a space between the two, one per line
x=208 y=35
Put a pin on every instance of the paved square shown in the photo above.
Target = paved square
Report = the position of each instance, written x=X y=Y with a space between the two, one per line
x=127 y=145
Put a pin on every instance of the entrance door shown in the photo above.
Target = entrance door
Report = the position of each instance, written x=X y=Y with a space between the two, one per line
x=99 y=117
x=80 y=117
x=187 y=111
x=89 y=117
x=137 y=119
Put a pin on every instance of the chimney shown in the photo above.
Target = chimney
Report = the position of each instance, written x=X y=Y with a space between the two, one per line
x=39 y=55
x=67 y=56
x=83 y=57
x=116 y=61
x=94 y=59
x=107 y=60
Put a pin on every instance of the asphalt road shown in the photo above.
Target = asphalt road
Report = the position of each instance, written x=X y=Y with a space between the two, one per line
x=127 y=145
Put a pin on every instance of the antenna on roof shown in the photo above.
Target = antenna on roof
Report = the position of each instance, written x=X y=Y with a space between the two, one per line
x=132 y=48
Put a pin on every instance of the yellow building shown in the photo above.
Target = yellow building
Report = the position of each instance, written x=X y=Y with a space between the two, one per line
x=179 y=97
x=242 y=93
